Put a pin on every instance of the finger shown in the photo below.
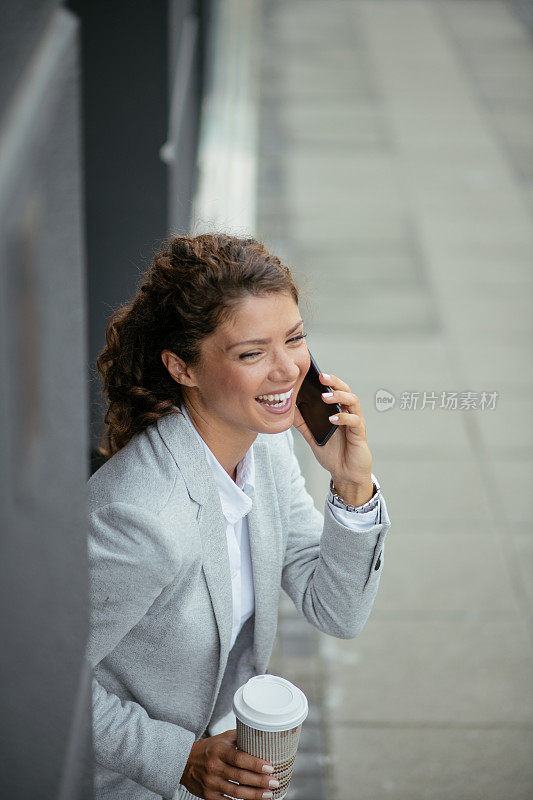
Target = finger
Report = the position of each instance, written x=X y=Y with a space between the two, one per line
x=348 y=399
x=247 y=778
x=229 y=735
x=245 y=761
x=334 y=382
x=351 y=421
x=241 y=791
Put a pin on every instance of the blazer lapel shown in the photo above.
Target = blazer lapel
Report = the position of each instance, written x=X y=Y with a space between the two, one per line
x=190 y=459
x=212 y=525
x=264 y=527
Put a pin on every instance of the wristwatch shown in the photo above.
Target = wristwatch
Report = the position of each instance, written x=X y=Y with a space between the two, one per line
x=370 y=505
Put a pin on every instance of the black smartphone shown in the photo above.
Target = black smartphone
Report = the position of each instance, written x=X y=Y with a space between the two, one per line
x=313 y=408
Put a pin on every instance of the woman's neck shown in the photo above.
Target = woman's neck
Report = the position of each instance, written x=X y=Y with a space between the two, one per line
x=227 y=445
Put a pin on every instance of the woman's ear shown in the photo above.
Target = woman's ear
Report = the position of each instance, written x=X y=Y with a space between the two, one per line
x=177 y=368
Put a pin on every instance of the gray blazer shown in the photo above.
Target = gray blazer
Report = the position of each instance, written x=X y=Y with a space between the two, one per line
x=161 y=604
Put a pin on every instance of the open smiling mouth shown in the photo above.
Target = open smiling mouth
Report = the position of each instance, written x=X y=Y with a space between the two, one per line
x=277 y=403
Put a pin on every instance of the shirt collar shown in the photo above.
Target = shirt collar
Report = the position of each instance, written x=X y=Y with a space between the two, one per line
x=235 y=497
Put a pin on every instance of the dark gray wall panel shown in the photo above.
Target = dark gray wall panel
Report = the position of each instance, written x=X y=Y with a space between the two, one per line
x=125 y=106
x=44 y=704
x=186 y=32
x=20 y=30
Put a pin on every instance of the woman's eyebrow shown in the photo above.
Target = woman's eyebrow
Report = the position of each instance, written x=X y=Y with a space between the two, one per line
x=263 y=341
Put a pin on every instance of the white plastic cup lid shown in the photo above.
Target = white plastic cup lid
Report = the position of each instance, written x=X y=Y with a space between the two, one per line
x=270 y=703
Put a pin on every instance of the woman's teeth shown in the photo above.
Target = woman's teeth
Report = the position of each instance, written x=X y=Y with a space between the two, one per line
x=274 y=399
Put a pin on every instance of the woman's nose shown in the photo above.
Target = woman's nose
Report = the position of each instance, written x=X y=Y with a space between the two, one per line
x=285 y=368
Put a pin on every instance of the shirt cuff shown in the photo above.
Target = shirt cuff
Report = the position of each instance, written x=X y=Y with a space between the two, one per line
x=356 y=521
x=225 y=723
x=359 y=520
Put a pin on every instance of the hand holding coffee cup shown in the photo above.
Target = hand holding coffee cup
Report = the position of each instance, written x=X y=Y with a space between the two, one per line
x=270 y=711
x=215 y=766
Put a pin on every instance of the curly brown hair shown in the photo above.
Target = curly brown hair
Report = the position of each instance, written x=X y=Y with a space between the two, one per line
x=192 y=285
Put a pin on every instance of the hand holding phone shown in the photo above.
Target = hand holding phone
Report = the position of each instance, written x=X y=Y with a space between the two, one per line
x=313 y=409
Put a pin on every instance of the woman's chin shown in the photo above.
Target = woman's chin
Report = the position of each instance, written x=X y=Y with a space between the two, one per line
x=278 y=422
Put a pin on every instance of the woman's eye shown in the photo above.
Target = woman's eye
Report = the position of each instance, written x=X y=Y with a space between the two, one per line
x=292 y=339
x=297 y=338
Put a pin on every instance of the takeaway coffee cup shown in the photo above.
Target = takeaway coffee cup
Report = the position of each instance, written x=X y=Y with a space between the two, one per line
x=270 y=711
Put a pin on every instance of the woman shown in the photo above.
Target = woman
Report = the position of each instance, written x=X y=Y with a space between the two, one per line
x=200 y=515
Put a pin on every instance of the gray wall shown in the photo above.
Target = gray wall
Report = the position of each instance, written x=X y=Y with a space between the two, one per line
x=142 y=88
x=44 y=682
x=85 y=197
x=125 y=107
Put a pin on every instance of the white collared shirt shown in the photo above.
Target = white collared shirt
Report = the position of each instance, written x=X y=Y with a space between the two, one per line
x=236 y=498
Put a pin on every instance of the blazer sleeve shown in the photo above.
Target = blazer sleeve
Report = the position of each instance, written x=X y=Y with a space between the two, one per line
x=130 y=562
x=331 y=572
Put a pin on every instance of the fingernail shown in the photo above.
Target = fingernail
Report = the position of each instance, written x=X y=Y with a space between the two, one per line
x=267 y=794
x=333 y=418
x=273 y=784
x=267 y=768
x=327 y=394
x=325 y=375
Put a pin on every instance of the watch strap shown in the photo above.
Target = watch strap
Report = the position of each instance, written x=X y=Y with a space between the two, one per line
x=370 y=505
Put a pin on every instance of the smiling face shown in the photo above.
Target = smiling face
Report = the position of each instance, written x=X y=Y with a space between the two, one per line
x=221 y=392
